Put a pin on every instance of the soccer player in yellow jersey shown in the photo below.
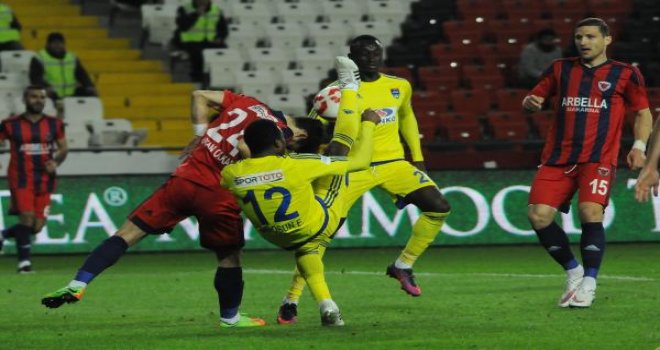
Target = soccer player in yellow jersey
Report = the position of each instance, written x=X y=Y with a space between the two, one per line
x=275 y=192
x=407 y=182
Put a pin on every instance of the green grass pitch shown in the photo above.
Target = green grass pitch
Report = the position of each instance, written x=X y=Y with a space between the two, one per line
x=473 y=298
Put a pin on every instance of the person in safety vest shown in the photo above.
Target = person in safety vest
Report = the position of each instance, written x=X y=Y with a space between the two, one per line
x=60 y=71
x=200 y=25
x=10 y=29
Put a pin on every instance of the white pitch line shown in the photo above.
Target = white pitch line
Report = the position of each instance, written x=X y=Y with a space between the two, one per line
x=443 y=274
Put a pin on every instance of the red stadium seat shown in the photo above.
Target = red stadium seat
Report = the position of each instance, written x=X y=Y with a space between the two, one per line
x=471 y=101
x=401 y=72
x=513 y=131
x=510 y=99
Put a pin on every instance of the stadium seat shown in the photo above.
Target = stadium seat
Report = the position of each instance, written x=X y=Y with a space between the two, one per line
x=342 y=12
x=332 y=35
x=301 y=82
x=301 y=12
x=401 y=72
x=287 y=36
x=12 y=84
x=319 y=58
x=257 y=13
x=385 y=32
x=16 y=61
x=158 y=23
x=221 y=66
x=82 y=108
x=244 y=36
x=256 y=83
x=389 y=12
x=471 y=101
x=293 y=105
x=268 y=58
x=510 y=99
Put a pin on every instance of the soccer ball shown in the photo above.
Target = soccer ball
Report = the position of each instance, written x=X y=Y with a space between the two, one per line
x=326 y=102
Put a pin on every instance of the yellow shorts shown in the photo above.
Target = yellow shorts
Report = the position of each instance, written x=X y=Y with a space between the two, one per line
x=399 y=178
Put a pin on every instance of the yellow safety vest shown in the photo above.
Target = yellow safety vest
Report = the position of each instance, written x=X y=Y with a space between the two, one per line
x=7 y=33
x=59 y=73
x=204 y=28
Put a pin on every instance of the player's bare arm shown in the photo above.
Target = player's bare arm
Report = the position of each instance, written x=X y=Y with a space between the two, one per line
x=642 y=129
x=59 y=156
x=533 y=103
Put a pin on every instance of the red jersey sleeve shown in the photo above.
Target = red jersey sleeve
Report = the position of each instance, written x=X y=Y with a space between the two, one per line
x=635 y=92
x=547 y=84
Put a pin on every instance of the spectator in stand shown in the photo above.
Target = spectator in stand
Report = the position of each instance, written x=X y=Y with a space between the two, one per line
x=10 y=29
x=200 y=25
x=60 y=71
x=537 y=56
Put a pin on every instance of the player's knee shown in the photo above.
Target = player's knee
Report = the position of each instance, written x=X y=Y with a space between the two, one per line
x=538 y=217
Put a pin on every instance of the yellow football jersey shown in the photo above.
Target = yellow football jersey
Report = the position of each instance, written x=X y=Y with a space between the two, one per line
x=390 y=97
x=277 y=195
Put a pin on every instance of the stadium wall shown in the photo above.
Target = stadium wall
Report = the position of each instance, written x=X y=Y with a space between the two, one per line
x=488 y=207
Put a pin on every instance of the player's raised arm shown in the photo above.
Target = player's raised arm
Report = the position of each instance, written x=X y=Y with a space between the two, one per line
x=202 y=100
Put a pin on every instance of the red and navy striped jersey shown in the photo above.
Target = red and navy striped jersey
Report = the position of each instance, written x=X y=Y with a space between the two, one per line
x=590 y=105
x=31 y=145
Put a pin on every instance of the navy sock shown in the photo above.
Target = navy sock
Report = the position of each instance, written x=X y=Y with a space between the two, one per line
x=228 y=283
x=22 y=235
x=592 y=245
x=554 y=240
x=102 y=257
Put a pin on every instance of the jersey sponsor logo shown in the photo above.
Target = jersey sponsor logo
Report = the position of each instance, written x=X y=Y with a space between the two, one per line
x=583 y=104
x=259 y=179
x=395 y=92
x=387 y=115
x=35 y=148
x=604 y=85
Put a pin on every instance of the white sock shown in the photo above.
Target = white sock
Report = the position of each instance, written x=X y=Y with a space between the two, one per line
x=589 y=283
x=401 y=265
x=232 y=320
x=77 y=284
x=326 y=304
x=575 y=272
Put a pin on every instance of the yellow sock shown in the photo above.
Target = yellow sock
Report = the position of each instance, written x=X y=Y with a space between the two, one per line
x=311 y=268
x=298 y=282
x=424 y=232
x=347 y=125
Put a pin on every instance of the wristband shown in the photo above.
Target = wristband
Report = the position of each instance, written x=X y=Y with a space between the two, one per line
x=640 y=145
x=199 y=129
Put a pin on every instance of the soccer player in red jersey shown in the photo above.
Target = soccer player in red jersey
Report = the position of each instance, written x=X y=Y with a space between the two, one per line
x=591 y=94
x=193 y=190
x=38 y=147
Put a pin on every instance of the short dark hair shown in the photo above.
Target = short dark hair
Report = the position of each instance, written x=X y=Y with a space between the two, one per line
x=261 y=134
x=362 y=40
x=315 y=135
x=595 y=22
x=33 y=87
x=55 y=36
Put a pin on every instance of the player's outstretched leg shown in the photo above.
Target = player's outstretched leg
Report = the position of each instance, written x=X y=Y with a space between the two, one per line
x=62 y=296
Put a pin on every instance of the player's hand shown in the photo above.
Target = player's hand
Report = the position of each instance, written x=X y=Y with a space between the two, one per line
x=370 y=116
x=636 y=159
x=648 y=180
x=419 y=165
x=50 y=166
x=532 y=103
x=190 y=147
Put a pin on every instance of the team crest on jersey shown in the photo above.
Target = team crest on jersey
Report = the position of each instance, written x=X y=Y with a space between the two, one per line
x=395 y=92
x=602 y=171
x=604 y=85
